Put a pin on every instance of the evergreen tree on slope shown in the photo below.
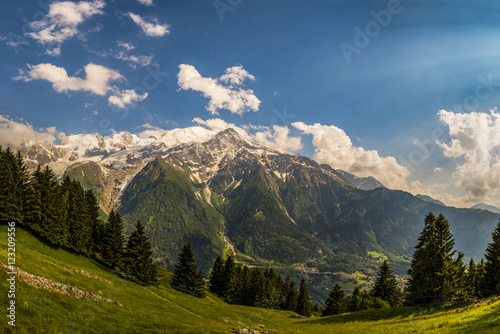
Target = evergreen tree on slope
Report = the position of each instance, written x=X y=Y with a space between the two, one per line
x=386 y=287
x=187 y=278
x=490 y=284
x=137 y=259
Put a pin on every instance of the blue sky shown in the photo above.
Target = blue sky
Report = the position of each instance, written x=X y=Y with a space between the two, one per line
x=376 y=106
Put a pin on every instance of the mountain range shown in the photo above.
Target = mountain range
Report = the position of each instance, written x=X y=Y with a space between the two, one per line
x=226 y=195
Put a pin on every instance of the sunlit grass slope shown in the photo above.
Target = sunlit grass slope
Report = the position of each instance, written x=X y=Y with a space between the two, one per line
x=164 y=310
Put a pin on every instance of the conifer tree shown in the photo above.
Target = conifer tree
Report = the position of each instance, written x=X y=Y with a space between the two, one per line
x=187 y=278
x=434 y=269
x=386 y=286
x=245 y=291
x=303 y=302
x=92 y=208
x=229 y=281
x=216 y=278
x=138 y=261
x=479 y=278
x=257 y=282
x=490 y=284
x=354 y=300
x=13 y=186
x=292 y=295
x=114 y=240
x=78 y=219
x=336 y=301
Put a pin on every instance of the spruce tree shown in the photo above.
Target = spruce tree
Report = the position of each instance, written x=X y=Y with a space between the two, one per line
x=113 y=240
x=137 y=260
x=386 y=286
x=354 y=300
x=229 y=281
x=257 y=285
x=292 y=295
x=13 y=186
x=216 y=278
x=303 y=302
x=479 y=278
x=187 y=278
x=336 y=301
x=78 y=220
x=434 y=270
x=490 y=284
x=246 y=297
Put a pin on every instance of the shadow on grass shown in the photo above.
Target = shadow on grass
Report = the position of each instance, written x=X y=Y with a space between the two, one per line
x=403 y=313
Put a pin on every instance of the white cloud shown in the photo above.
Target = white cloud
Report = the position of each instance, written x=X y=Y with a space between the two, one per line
x=121 y=99
x=122 y=54
x=277 y=138
x=475 y=139
x=97 y=78
x=146 y=2
x=152 y=29
x=236 y=75
x=62 y=21
x=334 y=147
x=230 y=96
x=437 y=169
x=13 y=134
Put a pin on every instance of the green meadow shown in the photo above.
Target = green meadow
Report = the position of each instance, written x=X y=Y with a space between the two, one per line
x=162 y=309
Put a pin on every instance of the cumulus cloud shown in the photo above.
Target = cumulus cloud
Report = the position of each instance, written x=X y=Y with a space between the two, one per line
x=332 y=146
x=276 y=138
x=121 y=99
x=62 y=21
x=98 y=80
x=224 y=92
x=437 y=169
x=146 y=2
x=475 y=138
x=151 y=29
x=13 y=134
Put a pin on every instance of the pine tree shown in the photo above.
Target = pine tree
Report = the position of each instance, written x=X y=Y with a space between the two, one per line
x=13 y=186
x=336 y=301
x=354 y=300
x=187 y=278
x=229 y=281
x=216 y=278
x=386 y=286
x=246 y=297
x=138 y=261
x=78 y=220
x=303 y=302
x=257 y=282
x=113 y=240
x=434 y=270
x=480 y=272
x=92 y=208
x=490 y=284
x=292 y=295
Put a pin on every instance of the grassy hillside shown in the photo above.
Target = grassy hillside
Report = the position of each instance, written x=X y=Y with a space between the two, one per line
x=164 y=310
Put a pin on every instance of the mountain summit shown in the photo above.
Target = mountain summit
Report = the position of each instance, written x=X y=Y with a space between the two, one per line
x=222 y=193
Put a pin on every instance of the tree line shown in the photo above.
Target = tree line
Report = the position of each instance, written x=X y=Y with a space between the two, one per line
x=237 y=284
x=64 y=214
x=437 y=275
